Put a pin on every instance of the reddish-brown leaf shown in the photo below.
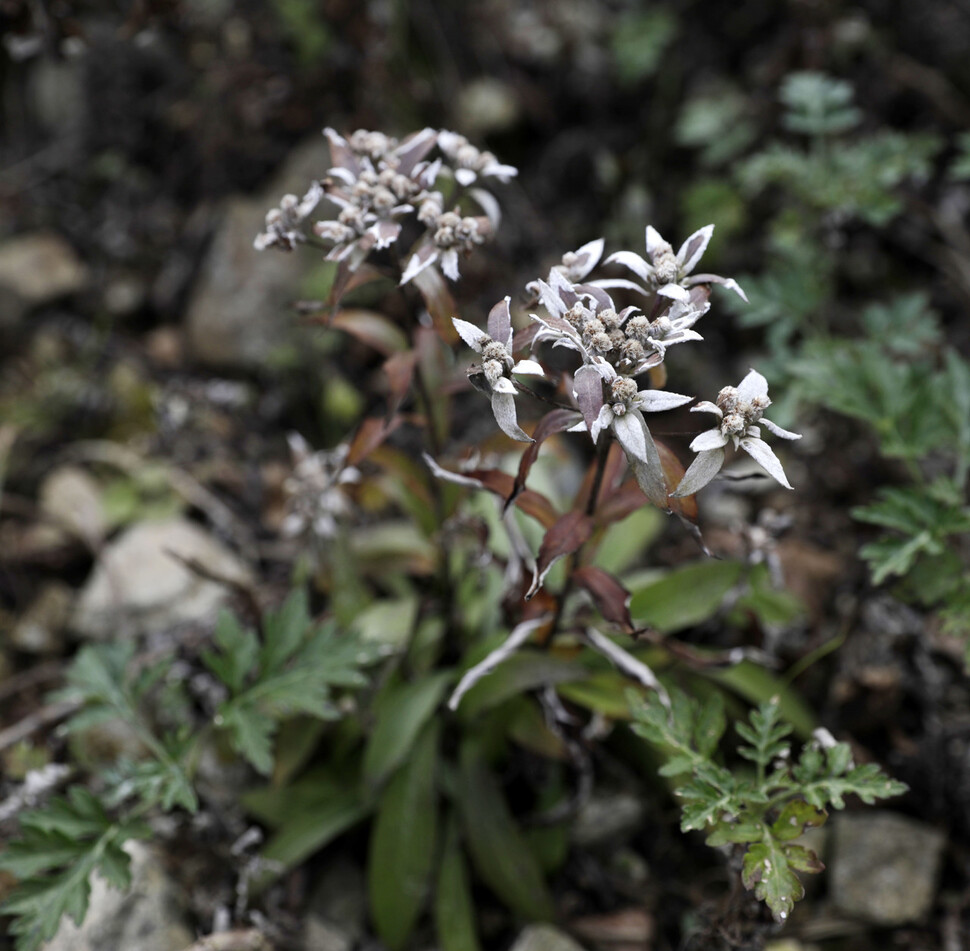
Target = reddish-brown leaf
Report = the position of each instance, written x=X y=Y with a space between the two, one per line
x=610 y=596
x=620 y=503
x=399 y=370
x=553 y=422
x=533 y=504
x=371 y=328
x=673 y=472
x=346 y=281
x=371 y=433
x=568 y=533
x=437 y=298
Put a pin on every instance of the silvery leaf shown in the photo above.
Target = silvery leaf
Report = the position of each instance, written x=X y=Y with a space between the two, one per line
x=503 y=407
x=762 y=453
x=472 y=335
x=777 y=430
x=699 y=473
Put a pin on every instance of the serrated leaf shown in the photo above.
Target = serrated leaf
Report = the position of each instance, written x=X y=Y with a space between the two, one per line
x=795 y=818
x=766 y=870
x=500 y=854
x=728 y=833
x=402 y=845
x=61 y=846
x=454 y=909
x=238 y=650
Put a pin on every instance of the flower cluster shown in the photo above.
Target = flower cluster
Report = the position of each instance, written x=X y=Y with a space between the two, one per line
x=738 y=410
x=616 y=346
x=377 y=182
x=315 y=498
x=494 y=376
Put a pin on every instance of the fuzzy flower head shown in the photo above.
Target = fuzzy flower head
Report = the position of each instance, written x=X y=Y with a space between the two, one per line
x=470 y=162
x=377 y=182
x=610 y=401
x=740 y=413
x=283 y=223
x=494 y=375
x=584 y=318
x=669 y=274
x=316 y=499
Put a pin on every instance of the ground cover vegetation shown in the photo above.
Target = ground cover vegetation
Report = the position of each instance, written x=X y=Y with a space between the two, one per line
x=427 y=512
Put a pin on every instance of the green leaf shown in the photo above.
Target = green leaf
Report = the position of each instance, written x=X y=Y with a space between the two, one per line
x=402 y=711
x=307 y=815
x=686 y=596
x=238 y=650
x=766 y=734
x=818 y=104
x=521 y=672
x=60 y=847
x=638 y=43
x=795 y=818
x=756 y=685
x=292 y=672
x=498 y=849
x=454 y=909
x=402 y=845
x=766 y=870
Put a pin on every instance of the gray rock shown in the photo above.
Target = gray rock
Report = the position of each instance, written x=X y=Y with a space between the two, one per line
x=607 y=817
x=544 y=938
x=238 y=310
x=340 y=899
x=148 y=917
x=39 y=629
x=884 y=867
x=36 y=269
x=137 y=586
x=72 y=500
x=322 y=935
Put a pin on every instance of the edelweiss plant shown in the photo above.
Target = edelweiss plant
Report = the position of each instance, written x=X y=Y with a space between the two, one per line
x=378 y=183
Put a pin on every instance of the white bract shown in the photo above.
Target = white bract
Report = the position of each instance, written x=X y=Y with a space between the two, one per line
x=738 y=410
x=668 y=274
x=498 y=365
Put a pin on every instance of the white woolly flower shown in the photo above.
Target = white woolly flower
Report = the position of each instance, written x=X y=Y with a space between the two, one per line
x=669 y=274
x=470 y=162
x=495 y=374
x=738 y=410
x=621 y=410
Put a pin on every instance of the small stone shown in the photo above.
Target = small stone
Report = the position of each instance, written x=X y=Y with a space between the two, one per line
x=487 y=105
x=149 y=916
x=71 y=499
x=239 y=309
x=322 y=935
x=139 y=586
x=884 y=867
x=544 y=938
x=39 y=628
x=607 y=817
x=38 y=268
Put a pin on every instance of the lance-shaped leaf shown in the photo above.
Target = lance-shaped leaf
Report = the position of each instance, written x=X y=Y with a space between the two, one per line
x=610 y=597
x=370 y=434
x=673 y=471
x=501 y=484
x=498 y=848
x=371 y=328
x=588 y=389
x=402 y=844
x=439 y=301
x=556 y=421
x=503 y=408
x=569 y=532
x=399 y=371
x=520 y=634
